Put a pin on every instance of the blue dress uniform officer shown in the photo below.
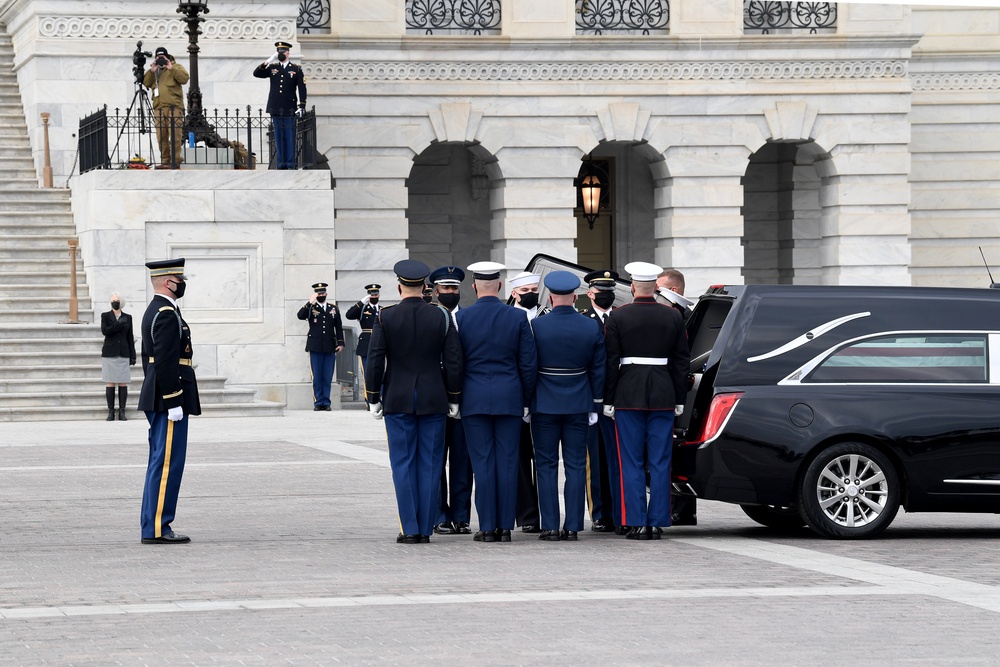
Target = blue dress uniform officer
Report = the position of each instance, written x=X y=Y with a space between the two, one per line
x=169 y=395
x=568 y=396
x=500 y=372
x=647 y=366
x=325 y=340
x=414 y=379
x=602 y=453
x=287 y=83
x=365 y=312
x=455 y=511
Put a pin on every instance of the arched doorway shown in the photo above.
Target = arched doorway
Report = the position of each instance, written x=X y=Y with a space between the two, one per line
x=782 y=211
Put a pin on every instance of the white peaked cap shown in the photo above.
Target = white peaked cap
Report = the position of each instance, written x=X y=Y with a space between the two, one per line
x=486 y=270
x=643 y=271
x=674 y=297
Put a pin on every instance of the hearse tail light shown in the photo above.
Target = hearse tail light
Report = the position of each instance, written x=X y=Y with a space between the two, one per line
x=718 y=414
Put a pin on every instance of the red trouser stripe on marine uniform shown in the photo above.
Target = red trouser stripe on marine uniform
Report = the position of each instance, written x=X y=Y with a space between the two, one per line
x=621 y=475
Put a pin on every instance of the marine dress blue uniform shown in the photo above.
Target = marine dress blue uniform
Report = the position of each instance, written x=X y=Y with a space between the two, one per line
x=570 y=386
x=287 y=83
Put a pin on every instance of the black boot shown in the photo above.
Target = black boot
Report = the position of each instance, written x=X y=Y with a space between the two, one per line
x=110 y=393
x=122 y=399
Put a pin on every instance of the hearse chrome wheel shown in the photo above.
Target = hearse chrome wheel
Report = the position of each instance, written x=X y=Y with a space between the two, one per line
x=850 y=490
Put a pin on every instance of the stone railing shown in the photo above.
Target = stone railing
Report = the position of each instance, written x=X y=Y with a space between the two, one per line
x=622 y=17
x=767 y=17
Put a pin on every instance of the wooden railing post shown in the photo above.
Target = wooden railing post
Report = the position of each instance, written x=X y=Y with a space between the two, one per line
x=74 y=305
x=47 y=168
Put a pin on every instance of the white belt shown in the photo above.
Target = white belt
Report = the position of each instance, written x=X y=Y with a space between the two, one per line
x=644 y=361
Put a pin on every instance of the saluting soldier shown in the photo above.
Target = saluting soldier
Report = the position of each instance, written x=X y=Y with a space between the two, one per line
x=414 y=379
x=602 y=452
x=647 y=366
x=325 y=340
x=524 y=290
x=286 y=100
x=567 y=398
x=365 y=312
x=169 y=395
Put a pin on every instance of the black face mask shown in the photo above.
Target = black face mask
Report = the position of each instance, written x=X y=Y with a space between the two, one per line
x=115 y=305
x=604 y=299
x=449 y=300
x=428 y=298
x=320 y=298
x=178 y=289
x=373 y=300
x=529 y=300
x=282 y=56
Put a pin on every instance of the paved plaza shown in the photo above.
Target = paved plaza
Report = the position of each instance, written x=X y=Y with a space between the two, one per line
x=293 y=561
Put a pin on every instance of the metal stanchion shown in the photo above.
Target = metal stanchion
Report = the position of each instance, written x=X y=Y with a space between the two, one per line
x=74 y=305
x=47 y=168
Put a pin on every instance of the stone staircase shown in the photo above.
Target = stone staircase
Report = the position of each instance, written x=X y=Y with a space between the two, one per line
x=50 y=370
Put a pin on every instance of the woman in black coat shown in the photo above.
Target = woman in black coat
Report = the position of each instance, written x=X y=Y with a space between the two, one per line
x=117 y=355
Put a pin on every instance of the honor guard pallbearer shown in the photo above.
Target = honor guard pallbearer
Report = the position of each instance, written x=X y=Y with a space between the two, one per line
x=325 y=340
x=647 y=366
x=414 y=380
x=287 y=83
x=524 y=291
x=364 y=313
x=169 y=395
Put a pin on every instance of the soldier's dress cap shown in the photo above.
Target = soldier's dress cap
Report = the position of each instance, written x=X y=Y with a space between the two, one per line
x=167 y=267
x=602 y=279
x=411 y=272
x=486 y=270
x=319 y=287
x=674 y=297
x=447 y=275
x=643 y=272
x=562 y=282
x=282 y=45
x=373 y=287
x=524 y=278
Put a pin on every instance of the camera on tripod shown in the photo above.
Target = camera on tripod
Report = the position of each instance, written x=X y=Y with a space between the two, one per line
x=139 y=61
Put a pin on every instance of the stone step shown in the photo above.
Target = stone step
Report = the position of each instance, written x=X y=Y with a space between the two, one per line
x=77 y=344
x=16 y=161
x=57 y=215
x=56 y=243
x=32 y=257
x=55 y=358
x=89 y=397
x=39 y=261
x=63 y=331
x=92 y=384
x=39 y=207
x=90 y=371
x=17 y=182
x=9 y=228
x=15 y=283
x=75 y=413
x=48 y=316
x=10 y=130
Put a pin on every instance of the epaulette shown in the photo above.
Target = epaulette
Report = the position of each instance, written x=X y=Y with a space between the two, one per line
x=165 y=308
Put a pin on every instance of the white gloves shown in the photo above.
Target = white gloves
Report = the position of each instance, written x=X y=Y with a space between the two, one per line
x=366 y=299
x=300 y=112
x=273 y=59
x=678 y=410
x=591 y=418
x=453 y=411
x=527 y=416
x=376 y=410
x=175 y=414
x=609 y=411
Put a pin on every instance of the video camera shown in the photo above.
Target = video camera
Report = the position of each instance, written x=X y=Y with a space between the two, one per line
x=139 y=61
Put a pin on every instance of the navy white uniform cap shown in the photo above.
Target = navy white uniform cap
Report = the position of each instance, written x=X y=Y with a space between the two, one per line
x=643 y=272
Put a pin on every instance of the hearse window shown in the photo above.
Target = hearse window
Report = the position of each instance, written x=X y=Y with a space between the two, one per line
x=908 y=358
x=704 y=326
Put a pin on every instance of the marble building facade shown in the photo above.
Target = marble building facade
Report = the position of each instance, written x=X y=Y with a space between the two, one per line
x=861 y=153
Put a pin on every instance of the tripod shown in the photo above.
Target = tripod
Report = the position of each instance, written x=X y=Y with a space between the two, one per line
x=143 y=110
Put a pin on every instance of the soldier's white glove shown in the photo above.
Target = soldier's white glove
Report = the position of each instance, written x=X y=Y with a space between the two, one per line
x=678 y=410
x=300 y=112
x=609 y=411
x=376 y=410
x=175 y=414
x=273 y=59
x=591 y=418
x=453 y=411
x=527 y=416
x=366 y=299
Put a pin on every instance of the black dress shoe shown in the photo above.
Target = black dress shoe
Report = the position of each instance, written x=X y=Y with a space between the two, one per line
x=444 y=528
x=462 y=528
x=570 y=535
x=602 y=526
x=317 y=408
x=425 y=539
x=621 y=530
x=503 y=535
x=683 y=520
x=530 y=528
x=411 y=539
x=637 y=533
x=167 y=538
x=549 y=536
x=399 y=538
x=654 y=532
x=327 y=408
x=485 y=536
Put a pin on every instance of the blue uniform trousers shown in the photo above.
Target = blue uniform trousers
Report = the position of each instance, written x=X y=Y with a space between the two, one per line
x=167 y=451
x=284 y=141
x=459 y=474
x=493 y=442
x=607 y=427
x=597 y=468
x=322 y=375
x=547 y=431
x=416 y=452
x=649 y=434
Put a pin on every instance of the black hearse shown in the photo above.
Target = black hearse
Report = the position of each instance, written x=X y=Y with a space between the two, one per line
x=833 y=406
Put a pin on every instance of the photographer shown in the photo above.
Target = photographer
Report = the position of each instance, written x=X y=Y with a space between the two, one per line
x=165 y=78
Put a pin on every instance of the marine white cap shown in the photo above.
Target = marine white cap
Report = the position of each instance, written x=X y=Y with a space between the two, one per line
x=486 y=270
x=643 y=271
x=674 y=297
x=524 y=278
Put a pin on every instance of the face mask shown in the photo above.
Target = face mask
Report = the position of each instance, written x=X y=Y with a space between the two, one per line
x=428 y=298
x=373 y=300
x=529 y=300
x=604 y=299
x=320 y=298
x=178 y=289
x=115 y=305
x=449 y=300
x=282 y=56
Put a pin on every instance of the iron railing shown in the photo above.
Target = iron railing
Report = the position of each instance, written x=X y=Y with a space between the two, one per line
x=128 y=141
x=314 y=16
x=453 y=17
x=778 y=17
x=622 y=17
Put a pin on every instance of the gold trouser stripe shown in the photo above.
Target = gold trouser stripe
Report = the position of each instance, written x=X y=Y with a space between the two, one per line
x=182 y=362
x=590 y=496
x=164 y=474
x=364 y=388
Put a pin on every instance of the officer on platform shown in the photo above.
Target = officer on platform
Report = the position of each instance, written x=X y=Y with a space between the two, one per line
x=602 y=450
x=568 y=395
x=169 y=395
x=414 y=379
x=455 y=513
x=365 y=312
x=325 y=340
x=287 y=83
